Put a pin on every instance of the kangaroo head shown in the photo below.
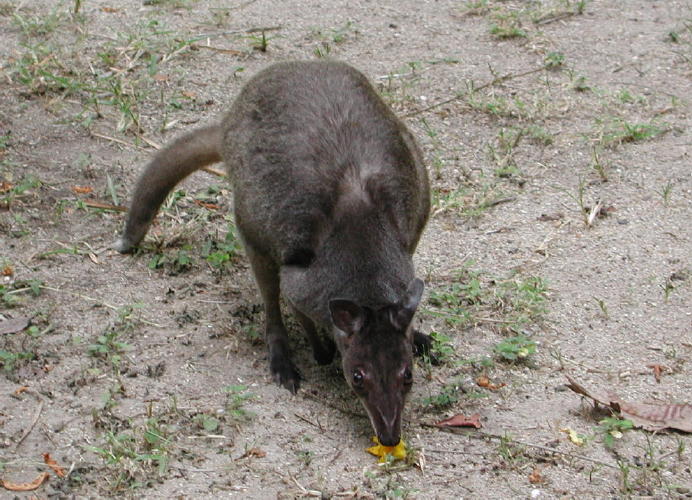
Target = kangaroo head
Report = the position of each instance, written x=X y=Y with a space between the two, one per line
x=377 y=357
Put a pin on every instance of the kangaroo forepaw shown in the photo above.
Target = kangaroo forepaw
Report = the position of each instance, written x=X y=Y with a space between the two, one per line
x=123 y=245
x=285 y=374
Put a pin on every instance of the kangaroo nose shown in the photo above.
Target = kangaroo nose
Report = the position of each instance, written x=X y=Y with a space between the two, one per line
x=389 y=439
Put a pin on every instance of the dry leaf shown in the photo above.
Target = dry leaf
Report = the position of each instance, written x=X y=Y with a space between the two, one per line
x=20 y=390
x=59 y=471
x=188 y=94
x=658 y=370
x=7 y=271
x=535 y=477
x=14 y=325
x=110 y=10
x=484 y=381
x=82 y=189
x=254 y=452
x=210 y=206
x=5 y=186
x=8 y=485
x=460 y=420
x=651 y=417
x=159 y=77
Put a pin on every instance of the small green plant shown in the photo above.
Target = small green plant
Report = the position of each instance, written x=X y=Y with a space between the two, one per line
x=580 y=84
x=506 y=26
x=206 y=422
x=554 y=60
x=515 y=348
x=9 y=193
x=9 y=360
x=665 y=192
x=621 y=132
x=612 y=428
x=260 y=42
x=221 y=255
x=108 y=347
x=446 y=398
x=177 y=263
x=442 y=350
x=602 y=306
x=236 y=397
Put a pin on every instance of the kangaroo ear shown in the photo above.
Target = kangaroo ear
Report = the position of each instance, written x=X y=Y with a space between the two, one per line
x=347 y=316
x=402 y=314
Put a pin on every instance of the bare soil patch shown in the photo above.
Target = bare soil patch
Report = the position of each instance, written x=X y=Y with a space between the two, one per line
x=557 y=135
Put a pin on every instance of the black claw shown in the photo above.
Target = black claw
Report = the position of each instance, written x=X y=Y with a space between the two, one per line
x=286 y=375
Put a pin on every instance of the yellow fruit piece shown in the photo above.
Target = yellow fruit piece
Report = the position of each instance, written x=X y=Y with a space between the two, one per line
x=398 y=452
x=577 y=439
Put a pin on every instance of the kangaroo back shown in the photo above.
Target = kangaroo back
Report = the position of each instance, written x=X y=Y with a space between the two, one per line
x=169 y=166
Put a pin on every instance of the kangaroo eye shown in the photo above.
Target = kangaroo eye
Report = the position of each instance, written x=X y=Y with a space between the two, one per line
x=358 y=378
x=408 y=376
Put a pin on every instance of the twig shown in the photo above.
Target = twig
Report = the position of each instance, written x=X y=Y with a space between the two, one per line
x=98 y=301
x=497 y=437
x=213 y=171
x=331 y=405
x=552 y=18
x=118 y=141
x=494 y=81
x=308 y=421
x=595 y=211
x=31 y=426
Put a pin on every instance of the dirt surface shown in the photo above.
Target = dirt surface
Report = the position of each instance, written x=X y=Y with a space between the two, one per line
x=145 y=376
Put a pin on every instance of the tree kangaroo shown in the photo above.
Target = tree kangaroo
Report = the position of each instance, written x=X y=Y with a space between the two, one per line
x=330 y=199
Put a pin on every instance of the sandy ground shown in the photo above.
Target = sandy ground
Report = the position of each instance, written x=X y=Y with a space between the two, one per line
x=145 y=376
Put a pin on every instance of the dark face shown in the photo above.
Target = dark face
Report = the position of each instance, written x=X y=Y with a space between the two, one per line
x=377 y=357
x=378 y=366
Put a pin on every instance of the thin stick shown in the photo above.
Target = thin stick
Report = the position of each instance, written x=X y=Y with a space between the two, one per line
x=486 y=435
x=331 y=405
x=98 y=301
x=494 y=81
x=213 y=171
x=31 y=427
x=118 y=141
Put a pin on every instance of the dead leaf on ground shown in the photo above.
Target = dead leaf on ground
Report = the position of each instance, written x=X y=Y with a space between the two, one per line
x=253 y=452
x=485 y=382
x=9 y=485
x=19 y=390
x=210 y=206
x=535 y=477
x=461 y=420
x=14 y=325
x=7 y=271
x=82 y=189
x=658 y=370
x=5 y=186
x=188 y=94
x=650 y=417
x=59 y=471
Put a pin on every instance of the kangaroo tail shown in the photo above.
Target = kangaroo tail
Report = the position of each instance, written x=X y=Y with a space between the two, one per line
x=169 y=166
